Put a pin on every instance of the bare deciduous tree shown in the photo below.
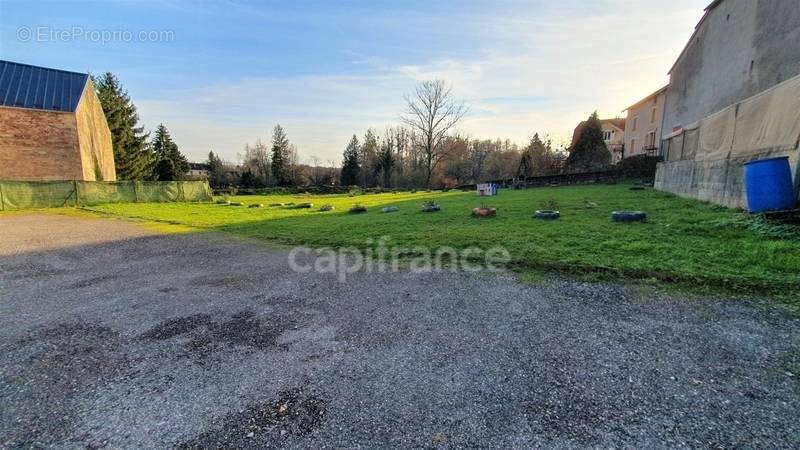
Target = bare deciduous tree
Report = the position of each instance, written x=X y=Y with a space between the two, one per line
x=432 y=111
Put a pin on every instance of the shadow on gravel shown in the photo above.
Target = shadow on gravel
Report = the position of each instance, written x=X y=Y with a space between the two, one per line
x=46 y=370
x=264 y=425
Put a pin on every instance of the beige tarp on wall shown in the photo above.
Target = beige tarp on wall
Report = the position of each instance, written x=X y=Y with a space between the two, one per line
x=769 y=121
x=691 y=140
x=675 y=148
x=762 y=125
x=716 y=135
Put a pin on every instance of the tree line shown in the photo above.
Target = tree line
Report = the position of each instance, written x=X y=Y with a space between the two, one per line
x=425 y=150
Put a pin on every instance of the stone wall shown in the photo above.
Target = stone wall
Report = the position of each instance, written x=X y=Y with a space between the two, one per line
x=97 y=154
x=39 y=145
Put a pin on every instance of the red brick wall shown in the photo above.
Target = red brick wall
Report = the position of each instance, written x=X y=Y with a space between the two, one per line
x=39 y=145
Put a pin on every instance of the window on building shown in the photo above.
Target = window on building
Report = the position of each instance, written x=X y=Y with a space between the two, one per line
x=651 y=139
x=635 y=122
x=606 y=135
x=633 y=146
x=653 y=115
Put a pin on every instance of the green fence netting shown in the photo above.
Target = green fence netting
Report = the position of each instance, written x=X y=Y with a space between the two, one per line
x=47 y=194
x=154 y=191
x=53 y=194
x=92 y=193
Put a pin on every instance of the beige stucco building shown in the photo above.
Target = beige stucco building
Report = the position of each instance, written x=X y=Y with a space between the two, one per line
x=52 y=126
x=643 y=125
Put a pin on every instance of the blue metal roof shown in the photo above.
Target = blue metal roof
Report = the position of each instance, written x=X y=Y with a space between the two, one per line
x=25 y=86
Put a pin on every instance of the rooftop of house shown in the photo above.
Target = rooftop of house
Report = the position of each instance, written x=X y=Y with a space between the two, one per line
x=649 y=97
x=33 y=87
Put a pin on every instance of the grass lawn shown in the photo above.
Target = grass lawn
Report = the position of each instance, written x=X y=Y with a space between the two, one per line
x=683 y=240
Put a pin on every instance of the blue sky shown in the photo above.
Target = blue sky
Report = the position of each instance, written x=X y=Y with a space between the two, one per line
x=222 y=74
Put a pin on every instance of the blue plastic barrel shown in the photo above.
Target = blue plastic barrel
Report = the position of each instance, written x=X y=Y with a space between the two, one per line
x=768 y=183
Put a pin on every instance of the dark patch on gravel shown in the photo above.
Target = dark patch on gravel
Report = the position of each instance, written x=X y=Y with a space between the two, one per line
x=176 y=326
x=265 y=425
x=243 y=329
x=46 y=371
x=207 y=336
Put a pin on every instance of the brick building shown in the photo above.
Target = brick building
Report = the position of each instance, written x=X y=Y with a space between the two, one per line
x=52 y=126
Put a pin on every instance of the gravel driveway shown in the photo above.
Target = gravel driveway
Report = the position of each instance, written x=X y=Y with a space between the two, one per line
x=114 y=336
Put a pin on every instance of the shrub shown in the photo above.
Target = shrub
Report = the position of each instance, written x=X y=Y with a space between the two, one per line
x=639 y=166
x=550 y=204
x=357 y=209
x=430 y=206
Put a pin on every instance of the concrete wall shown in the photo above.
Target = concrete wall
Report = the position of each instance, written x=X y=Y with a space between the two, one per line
x=720 y=182
x=39 y=145
x=94 y=137
x=741 y=48
x=646 y=122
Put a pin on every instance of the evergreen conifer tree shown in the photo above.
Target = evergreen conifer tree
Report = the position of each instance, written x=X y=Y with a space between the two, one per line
x=280 y=157
x=589 y=151
x=170 y=164
x=132 y=157
x=350 y=165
